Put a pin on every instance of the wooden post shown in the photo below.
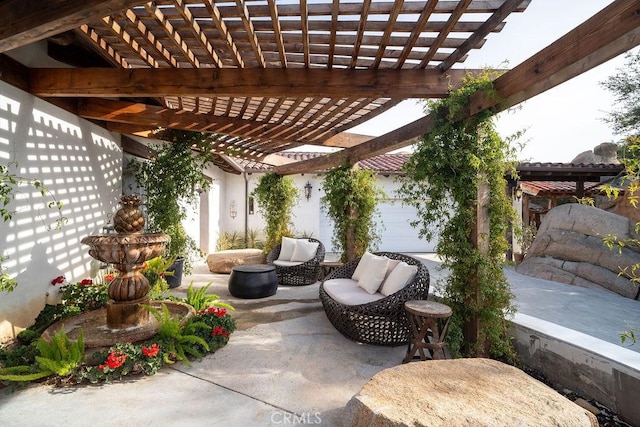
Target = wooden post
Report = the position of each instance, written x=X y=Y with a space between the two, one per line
x=480 y=238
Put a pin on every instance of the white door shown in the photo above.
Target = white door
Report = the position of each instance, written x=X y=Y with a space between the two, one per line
x=396 y=232
x=398 y=235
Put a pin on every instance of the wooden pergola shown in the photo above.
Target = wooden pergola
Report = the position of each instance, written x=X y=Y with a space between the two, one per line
x=270 y=75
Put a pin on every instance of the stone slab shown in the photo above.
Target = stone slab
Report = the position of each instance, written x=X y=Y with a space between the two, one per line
x=461 y=392
x=224 y=261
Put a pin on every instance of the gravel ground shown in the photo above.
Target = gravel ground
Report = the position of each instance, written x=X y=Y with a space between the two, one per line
x=606 y=417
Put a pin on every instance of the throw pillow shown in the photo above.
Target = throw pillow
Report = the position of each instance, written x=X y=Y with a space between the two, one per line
x=362 y=266
x=393 y=263
x=305 y=250
x=287 y=248
x=374 y=274
x=399 y=278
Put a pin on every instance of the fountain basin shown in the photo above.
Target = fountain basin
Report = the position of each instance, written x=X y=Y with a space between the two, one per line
x=126 y=249
x=98 y=334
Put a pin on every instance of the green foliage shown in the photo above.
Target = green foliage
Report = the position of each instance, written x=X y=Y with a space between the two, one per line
x=199 y=299
x=625 y=87
x=631 y=335
x=179 y=341
x=442 y=178
x=60 y=356
x=21 y=353
x=84 y=296
x=30 y=358
x=276 y=196
x=351 y=197
x=171 y=182
x=155 y=270
x=220 y=326
x=123 y=359
x=229 y=240
x=233 y=240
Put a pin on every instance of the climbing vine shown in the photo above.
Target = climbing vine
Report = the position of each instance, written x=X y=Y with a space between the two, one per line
x=171 y=182
x=276 y=196
x=442 y=180
x=351 y=197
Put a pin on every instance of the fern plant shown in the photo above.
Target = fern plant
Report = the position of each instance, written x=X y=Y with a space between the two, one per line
x=61 y=357
x=179 y=341
x=200 y=300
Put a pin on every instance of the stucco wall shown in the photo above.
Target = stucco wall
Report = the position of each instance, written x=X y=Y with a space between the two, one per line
x=306 y=213
x=81 y=165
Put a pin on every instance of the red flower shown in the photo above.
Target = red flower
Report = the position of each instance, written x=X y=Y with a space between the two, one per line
x=151 y=351
x=144 y=266
x=115 y=359
x=219 y=330
x=86 y=282
x=57 y=280
x=109 y=277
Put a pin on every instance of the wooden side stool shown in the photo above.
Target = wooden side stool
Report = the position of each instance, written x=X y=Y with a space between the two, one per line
x=429 y=321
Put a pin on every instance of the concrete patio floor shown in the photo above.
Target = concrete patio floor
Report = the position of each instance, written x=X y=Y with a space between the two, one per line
x=286 y=364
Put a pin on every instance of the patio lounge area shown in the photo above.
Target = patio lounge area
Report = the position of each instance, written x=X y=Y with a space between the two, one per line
x=286 y=362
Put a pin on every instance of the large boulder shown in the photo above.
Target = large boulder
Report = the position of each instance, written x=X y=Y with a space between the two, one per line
x=224 y=261
x=570 y=248
x=461 y=392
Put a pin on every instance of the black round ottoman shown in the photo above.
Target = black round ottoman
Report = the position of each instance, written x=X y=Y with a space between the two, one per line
x=253 y=281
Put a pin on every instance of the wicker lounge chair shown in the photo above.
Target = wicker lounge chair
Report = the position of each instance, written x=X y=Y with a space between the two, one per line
x=301 y=274
x=381 y=322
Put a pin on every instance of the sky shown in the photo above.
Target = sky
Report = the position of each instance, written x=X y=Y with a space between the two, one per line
x=560 y=123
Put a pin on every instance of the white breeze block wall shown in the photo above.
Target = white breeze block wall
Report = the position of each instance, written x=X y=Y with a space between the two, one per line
x=81 y=165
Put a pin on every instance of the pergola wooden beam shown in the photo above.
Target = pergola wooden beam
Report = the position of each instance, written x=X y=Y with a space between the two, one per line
x=612 y=31
x=26 y=21
x=145 y=82
x=143 y=116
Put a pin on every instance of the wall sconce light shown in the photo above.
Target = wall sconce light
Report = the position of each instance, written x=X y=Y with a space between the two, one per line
x=307 y=190
x=518 y=191
x=233 y=209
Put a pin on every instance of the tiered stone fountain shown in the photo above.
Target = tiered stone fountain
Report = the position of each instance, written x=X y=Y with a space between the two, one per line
x=125 y=319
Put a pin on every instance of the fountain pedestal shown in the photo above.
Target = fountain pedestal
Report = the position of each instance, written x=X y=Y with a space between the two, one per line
x=128 y=290
x=125 y=318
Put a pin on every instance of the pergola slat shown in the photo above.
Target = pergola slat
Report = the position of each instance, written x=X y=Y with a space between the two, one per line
x=214 y=12
x=172 y=34
x=277 y=32
x=248 y=25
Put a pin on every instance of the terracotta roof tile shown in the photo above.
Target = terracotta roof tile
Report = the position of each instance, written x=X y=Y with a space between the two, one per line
x=384 y=163
x=536 y=187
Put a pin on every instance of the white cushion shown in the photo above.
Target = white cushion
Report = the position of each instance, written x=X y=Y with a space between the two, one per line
x=286 y=248
x=373 y=276
x=347 y=292
x=362 y=266
x=392 y=264
x=281 y=263
x=305 y=250
x=399 y=278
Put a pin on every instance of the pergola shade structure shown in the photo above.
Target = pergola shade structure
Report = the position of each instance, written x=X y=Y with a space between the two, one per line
x=270 y=75
x=264 y=75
